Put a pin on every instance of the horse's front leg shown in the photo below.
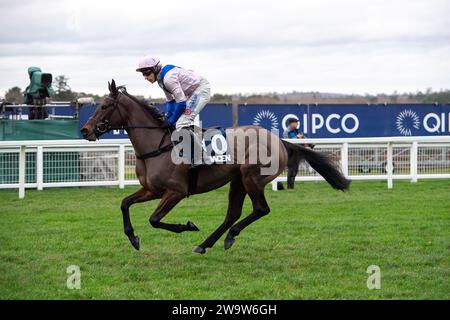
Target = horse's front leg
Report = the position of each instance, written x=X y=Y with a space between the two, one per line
x=169 y=200
x=141 y=195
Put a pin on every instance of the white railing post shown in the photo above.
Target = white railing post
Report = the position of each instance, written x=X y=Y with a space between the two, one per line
x=414 y=157
x=40 y=167
x=121 y=169
x=22 y=159
x=274 y=184
x=390 y=165
x=344 y=158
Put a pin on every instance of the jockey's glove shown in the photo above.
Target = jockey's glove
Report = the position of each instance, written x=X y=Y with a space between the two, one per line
x=170 y=108
x=179 y=109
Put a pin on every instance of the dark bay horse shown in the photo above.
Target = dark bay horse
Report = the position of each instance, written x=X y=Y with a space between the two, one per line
x=161 y=178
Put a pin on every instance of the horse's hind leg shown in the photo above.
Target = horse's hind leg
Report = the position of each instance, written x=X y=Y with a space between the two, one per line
x=168 y=201
x=260 y=209
x=141 y=195
x=236 y=198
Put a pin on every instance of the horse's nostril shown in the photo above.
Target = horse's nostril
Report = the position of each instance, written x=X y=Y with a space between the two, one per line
x=84 y=132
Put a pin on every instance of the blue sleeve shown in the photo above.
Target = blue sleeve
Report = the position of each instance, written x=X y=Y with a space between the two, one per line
x=292 y=134
x=170 y=108
x=179 y=108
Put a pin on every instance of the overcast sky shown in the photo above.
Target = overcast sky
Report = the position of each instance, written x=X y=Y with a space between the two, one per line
x=239 y=46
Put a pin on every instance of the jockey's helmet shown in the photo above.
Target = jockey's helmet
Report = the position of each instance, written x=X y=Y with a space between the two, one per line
x=148 y=63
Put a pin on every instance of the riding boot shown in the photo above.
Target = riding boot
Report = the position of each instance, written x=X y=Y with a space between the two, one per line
x=196 y=160
x=196 y=149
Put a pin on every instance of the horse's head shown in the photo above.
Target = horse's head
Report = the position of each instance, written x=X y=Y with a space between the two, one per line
x=105 y=117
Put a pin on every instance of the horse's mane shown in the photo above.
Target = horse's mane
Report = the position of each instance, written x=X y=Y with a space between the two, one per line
x=154 y=112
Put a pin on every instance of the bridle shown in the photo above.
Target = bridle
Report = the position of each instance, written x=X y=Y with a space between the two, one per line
x=101 y=127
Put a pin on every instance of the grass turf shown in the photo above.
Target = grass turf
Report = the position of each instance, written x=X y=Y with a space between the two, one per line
x=315 y=244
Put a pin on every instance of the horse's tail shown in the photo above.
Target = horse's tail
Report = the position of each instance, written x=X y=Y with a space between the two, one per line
x=320 y=162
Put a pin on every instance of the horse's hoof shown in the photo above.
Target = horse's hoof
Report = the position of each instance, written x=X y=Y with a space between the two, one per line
x=228 y=242
x=192 y=226
x=135 y=242
x=199 y=250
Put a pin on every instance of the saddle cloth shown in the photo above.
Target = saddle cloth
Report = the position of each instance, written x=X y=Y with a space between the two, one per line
x=214 y=146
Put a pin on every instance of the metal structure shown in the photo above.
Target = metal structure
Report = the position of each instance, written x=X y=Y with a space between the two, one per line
x=76 y=163
x=56 y=110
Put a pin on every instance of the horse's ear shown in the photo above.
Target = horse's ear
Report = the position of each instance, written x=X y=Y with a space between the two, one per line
x=109 y=86
x=113 y=88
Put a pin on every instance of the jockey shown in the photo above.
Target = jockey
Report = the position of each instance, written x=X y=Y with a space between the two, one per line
x=186 y=92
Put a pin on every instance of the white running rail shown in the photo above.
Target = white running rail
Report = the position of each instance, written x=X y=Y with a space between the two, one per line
x=76 y=163
x=385 y=158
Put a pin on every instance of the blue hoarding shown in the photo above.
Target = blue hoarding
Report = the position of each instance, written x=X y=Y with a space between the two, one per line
x=211 y=115
x=351 y=120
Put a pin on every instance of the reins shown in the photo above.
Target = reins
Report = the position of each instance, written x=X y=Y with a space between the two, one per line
x=105 y=126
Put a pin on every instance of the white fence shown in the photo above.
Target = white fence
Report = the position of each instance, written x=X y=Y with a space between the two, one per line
x=386 y=158
x=77 y=163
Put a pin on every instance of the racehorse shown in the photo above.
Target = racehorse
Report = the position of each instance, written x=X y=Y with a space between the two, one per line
x=161 y=178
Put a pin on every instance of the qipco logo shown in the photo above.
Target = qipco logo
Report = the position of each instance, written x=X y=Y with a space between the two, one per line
x=333 y=123
x=435 y=123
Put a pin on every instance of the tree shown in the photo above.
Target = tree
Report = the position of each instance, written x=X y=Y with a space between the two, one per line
x=14 y=95
x=442 y=96
x=63 y=92
x=394 y=97
x=60 y=84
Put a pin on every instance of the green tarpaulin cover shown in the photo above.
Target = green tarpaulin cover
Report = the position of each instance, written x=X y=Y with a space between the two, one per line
x=38 y=129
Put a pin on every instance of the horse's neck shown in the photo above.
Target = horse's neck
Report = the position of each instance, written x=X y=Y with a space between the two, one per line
x=143 y=140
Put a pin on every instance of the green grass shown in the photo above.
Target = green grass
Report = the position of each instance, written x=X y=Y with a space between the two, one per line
x=315 y=244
